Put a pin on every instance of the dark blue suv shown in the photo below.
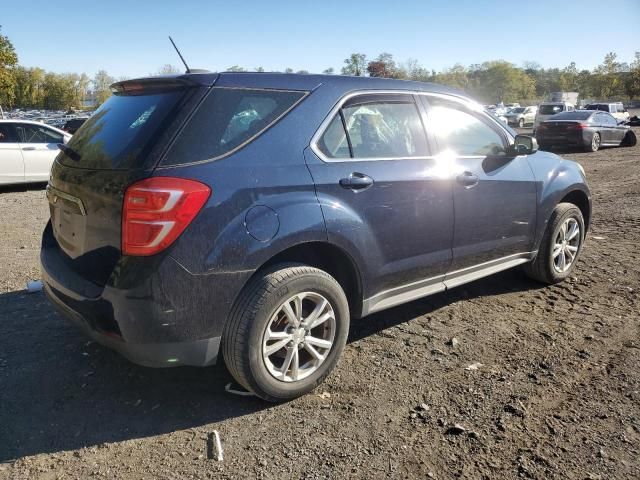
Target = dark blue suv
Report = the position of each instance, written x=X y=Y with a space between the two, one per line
x=253 y=214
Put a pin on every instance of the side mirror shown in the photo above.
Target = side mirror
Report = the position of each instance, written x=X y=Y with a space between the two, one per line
x=524 y=145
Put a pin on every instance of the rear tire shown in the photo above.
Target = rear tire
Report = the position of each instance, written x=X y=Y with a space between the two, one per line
x=265 y=316
x=629 y=139
x=557 y=247
x=594 y=146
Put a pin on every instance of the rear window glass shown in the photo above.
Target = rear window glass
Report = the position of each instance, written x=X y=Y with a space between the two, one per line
x=227 y=119
x=550 y=109
x=573 y=115
x=598 y=106
x=119 y=134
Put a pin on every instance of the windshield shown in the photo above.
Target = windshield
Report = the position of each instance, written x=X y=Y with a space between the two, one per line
x=518 y=110
x=122 y=131
x=551 y=109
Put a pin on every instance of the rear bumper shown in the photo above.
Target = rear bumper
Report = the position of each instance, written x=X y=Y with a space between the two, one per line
x=572 y=139
x=195 y=353
x=158 y=316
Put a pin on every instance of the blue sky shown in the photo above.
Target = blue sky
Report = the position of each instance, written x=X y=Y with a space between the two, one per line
x=130 y=38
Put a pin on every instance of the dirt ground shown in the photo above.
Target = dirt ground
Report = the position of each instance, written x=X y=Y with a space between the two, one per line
x=557 y=394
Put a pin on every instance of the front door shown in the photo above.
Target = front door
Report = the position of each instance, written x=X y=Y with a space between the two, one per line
x=494 y=194
x=383 y=198
x=11 y=163
x=39 y=145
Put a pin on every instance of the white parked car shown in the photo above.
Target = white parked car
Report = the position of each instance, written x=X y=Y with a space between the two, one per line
x=616 y=109
x=548 y=109
x=27 y=150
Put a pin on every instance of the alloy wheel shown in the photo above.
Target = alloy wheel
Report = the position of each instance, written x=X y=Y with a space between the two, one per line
x=299 y=337
x=595 y=142
x=566 y=245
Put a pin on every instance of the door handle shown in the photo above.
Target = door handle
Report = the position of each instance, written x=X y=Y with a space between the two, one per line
x=28 y=148
x=356 y=181
x=467 y=179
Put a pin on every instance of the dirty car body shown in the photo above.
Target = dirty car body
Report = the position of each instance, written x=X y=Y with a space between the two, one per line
x=283 y=186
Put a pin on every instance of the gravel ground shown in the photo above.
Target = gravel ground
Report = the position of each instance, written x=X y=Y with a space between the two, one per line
x=557 y=394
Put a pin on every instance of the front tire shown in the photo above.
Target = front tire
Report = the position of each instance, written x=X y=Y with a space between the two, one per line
x=560 y=247
x=521 y=123
x=286 y=332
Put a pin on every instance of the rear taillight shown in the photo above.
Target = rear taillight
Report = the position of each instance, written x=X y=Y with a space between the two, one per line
x=577 y=126
x=157 y=210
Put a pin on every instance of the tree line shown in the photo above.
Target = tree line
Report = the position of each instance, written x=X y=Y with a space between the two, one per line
x=490 y=82
x=500 y=81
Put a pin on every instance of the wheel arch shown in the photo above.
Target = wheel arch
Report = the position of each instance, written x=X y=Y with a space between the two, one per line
x=580 y=200
x=328 y=257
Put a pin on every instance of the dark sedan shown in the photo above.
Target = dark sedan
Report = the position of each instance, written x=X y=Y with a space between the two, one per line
x=74 y=124
x=586 y=129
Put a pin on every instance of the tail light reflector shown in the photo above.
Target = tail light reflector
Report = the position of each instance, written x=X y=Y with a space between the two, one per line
x=157 y=210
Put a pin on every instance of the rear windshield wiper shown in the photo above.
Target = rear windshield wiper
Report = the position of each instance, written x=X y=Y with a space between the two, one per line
x=69 y=152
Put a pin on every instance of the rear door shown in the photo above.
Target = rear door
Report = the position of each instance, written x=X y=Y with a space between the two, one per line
x=383 y=196
x=529 y=115
x=39 y=145
x=494 y=194
x=615 y=132
x=11 y=163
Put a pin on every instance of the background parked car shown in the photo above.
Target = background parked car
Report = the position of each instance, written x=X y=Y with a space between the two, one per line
x=547 y=109
x=616 y=109
x=72 y=126
x=27 y=150
x=521 y=116
x=587 y=129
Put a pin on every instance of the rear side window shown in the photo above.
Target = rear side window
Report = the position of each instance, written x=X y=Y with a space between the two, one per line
x=374 y=127
x=334 y=143
x=227 y=120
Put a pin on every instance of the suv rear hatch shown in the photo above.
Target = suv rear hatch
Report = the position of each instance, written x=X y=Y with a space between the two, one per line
x=120 y=144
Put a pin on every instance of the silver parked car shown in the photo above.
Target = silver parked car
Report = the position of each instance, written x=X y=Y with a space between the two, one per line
x=521 y=116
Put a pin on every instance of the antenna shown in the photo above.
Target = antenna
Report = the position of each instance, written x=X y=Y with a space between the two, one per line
x=180 y=55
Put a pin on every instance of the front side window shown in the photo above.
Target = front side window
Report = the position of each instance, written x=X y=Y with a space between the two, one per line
x=7 y=134
x=227 y=119
x=461 y=131
x=376 y=127
x=37 y=134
